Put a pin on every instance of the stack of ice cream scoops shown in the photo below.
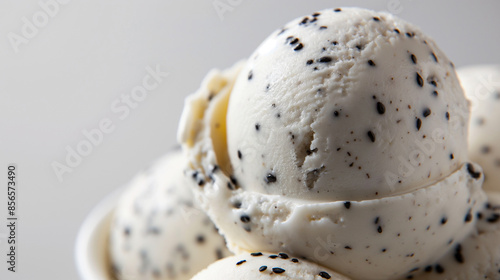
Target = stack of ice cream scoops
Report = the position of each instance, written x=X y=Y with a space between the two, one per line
x=344 y=147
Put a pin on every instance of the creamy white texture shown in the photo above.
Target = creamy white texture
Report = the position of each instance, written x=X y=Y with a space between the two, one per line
x=258 y=265
x=158 y=231
x=482 y=87
x=363 y=230
x=346 y=105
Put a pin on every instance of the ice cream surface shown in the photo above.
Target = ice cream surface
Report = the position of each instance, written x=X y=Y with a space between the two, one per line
x=478 y=256
x=482 y=87
x=259 y=265
x=343 y=140
x=158 y=232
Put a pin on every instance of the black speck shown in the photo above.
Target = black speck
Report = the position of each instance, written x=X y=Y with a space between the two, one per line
x=493 y=218
x=298 y=47
x=377 y=219
x=452 y=156
x=337 y=10
x=419 y=123
x=348 y=248
x=257 y=126
x=273 y=256
x=413 y=58
x=409 y=35
x=336 y=113
x=468 y=216
x=347 y=204
x=325 y=275
x=379 y=229
x=309 y=62
x=434 y=57
x=376 y=18
x=240 y=262
x=126 y=231
x=270 y=178
x=316 y=14
x=426 y=112
x=371 y=63
x=278 y=270
x=472 y=172
x=444 y=220
x=325 y=59
x=428 y=268
x=283 y=256
x=262 y=268
x=304 y=20
x=397 y=31
x=447 y=115
x=240 y=156
x=420 y=81
x=245 y=218
x=256 y=254
x=294 y=260
x=200 y=239
x=380 y=108
x=439 y=268
x=435 y=93
x=323 y=27
x=250 y=75
x=371 y=136
x=458 y=254
x=233 y=180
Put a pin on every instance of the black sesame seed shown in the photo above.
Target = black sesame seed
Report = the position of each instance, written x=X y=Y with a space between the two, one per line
x=336 y=113
x=316 y=14
x=472 y=172
x=245 y=218
x=325 y=275
x=337 y=10
x=270 y=178
x=278 y=270
x=348 y=247
x=233 y=180
x=200 y=239
x=240 y=262
x=377 y=219
x=239 y=154
x=379 y=229
x=447 y=115
x=347 y=204
x=410 y=35
x=256 y=254
x=427 y=112
x=419 y=123
x=262 y=268
x=434 y=57
x=250 y=75
x=396 y=30
x=434 y=83
x=371 y=136
x=283 y=256
x=237 y=204
x=325 y=59
x=273 y=256
x=304 y=20
x=371 y=63
x=334 y=43
x=420 y=81
x=468 y=216
x=294 y=41
x=323 y=27
x=413 y=58
x=376 y=18
x=230 y=186
x=428 y=268
x=444 y=220
x=309 y=62
x=298 y=47
x=493 y=218
x=439 y=269
x=458 y=254
x=435 y=93
x=295 y=260
x=380 y=108
x=257 y=126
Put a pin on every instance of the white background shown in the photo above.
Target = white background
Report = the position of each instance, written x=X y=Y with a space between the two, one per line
x=65 y=79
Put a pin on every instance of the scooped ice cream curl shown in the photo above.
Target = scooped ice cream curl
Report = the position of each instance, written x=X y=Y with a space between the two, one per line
x=342 y=139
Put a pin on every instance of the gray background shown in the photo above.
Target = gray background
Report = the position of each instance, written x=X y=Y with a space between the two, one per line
x=65 y=78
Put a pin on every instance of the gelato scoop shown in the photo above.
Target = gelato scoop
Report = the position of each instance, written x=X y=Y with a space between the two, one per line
x=157 y=231
x=259 y=265
x=343 y=140
x=482 y=87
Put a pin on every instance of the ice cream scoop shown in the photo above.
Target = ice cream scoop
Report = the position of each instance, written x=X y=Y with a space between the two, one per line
x=482 y=87
x=346 y=147
x=259 y=265
x=158 y=232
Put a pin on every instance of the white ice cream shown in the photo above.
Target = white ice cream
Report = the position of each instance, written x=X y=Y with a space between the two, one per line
x=478 y=256
x=482 y=87
x=158 y=231
x=315 y=166
x=265 y=266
